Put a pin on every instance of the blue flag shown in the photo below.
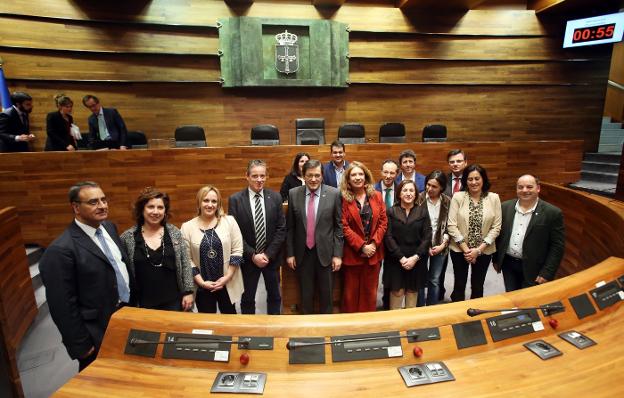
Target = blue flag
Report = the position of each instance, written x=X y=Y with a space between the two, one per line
x=5 y=98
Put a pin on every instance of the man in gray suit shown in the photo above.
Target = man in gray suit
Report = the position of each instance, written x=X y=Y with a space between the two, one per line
x=315 y=239
x=532 y=238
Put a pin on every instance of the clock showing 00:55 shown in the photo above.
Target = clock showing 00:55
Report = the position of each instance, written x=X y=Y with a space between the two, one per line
x=593 y=33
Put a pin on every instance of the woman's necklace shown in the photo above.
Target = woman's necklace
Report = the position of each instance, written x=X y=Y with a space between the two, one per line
x=162 y=245
x=212 y=253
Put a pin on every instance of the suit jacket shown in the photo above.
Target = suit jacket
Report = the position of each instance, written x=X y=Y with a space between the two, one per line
x=11 y=125
x=458 y=220
x=329 y=173
x=353 y=230
x=381 y=189
x=328 y=232
x=240 y=208
x=58 y=132
x=544 y=242
x=81 y=287
x=116 y=128
x=419 y=180
x=448 y=190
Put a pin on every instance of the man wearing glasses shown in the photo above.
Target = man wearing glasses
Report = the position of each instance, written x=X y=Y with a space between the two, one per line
x=85 y=274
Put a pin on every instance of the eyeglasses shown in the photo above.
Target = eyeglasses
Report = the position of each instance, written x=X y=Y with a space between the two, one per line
x=93 y=202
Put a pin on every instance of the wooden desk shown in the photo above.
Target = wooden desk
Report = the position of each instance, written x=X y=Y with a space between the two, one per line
x=503 y=368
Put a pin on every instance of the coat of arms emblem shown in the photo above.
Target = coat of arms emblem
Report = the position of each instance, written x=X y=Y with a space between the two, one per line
x=286 y=53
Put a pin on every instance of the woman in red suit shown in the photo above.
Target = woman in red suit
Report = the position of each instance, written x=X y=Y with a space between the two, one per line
x=364 y=224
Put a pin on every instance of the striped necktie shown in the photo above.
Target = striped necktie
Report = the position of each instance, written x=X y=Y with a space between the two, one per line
x=259 y=225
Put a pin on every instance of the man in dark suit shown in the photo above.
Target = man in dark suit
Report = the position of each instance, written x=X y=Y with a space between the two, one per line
x=532 y=238
x=456 y=159
x=387 y=186
x=407 y=163
x=315 y=238
x=106 y=126
x=15 y=126
x=258 y=212
x=335 y=168
x=85 y=275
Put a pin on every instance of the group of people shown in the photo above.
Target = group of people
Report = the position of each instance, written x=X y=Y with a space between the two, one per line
x=338 y=218
x=107 y=129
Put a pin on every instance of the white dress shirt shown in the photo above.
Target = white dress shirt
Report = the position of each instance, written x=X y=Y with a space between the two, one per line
x=520 y=225
x=252 y=201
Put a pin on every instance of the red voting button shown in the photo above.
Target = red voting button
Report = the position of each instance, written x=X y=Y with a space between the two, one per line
x=418 y=351
x=244 y=358
x=553 y=323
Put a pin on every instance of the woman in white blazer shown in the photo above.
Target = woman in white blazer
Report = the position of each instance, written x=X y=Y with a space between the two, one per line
x=474 y=222
x=216 y=248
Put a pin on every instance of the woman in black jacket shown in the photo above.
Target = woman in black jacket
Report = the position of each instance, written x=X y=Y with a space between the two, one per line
x=58 y=126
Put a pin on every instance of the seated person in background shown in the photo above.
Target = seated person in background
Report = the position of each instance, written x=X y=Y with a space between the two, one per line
x=532 y=239
x=295 y=177
x=216 y=246
x=437 y=205
x=158 y=255
x=407 y=163
x=335 y=168
x=474 y=223
x=58 y=126
x=407 y=247
x=364 y=224
x=106 y=127
x=14 y=125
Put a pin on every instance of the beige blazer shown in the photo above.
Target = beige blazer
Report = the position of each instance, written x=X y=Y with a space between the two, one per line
x=229 y=233
x=458 y=220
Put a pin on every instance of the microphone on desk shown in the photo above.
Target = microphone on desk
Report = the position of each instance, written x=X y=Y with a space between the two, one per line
x=545 y=308
x=200 y=340
x=293 y=345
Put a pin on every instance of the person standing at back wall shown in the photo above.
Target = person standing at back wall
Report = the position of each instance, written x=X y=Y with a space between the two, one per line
x=107 y=129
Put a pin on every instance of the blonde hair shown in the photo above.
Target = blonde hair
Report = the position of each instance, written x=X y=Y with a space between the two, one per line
x=62 y=100
x=345 y=187
x=201 y=194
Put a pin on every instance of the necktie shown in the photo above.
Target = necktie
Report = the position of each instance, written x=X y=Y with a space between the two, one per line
x=457 y=184
x=311 y=222
x=25 y=122
x=388 y=198
x=259 y=225
x=102 y=127
x=122 y=288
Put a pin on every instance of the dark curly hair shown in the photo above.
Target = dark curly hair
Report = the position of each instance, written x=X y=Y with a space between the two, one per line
x=148 y=194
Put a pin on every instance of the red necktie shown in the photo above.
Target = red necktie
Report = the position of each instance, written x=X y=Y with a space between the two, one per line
x=311 y=220
x=457 y=184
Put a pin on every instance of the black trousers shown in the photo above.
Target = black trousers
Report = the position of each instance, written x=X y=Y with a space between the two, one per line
x=477 y=276
x=312 y=274
x=251 y=275
x=442 y=277
x=207 y=301
x=513 y=273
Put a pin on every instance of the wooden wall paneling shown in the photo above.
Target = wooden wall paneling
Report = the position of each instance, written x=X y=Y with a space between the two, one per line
x=44 y=178
x=616 y=73
x=469 y=112
x=58 y=65
x=100 y=37
x=475 y=72
x=18 y=308
x=593 y=224
x=614 y=103
x=538 y=48
x=373 y=18
x=444 y=5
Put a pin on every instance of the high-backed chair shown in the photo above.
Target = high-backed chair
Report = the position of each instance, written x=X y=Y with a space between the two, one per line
x=137 y=140
x=190 y=137
x=264 y=134
x=434 y=132
x=392 y=132
x=310 y=131
x=351 y=133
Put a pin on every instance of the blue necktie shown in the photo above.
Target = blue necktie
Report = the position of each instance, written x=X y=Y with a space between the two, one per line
x=122 y=289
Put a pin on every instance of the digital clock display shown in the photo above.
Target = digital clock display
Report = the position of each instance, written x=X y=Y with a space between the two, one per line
x=600 y=32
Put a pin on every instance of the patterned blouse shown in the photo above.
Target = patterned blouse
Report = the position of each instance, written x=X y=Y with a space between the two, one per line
x=475 y=222
x=211 y=256
x=366 y=215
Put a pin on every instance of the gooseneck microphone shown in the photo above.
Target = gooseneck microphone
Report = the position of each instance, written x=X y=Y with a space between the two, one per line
x=293 y=345
x=545 y=308
x=199 y=340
